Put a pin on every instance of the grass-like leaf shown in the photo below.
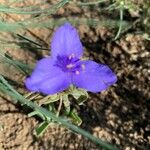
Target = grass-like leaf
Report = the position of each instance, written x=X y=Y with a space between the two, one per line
x=24 y=68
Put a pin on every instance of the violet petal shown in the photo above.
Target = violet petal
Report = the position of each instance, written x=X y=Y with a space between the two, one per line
x=94 y=77
x=66 y=41
x=47 y=79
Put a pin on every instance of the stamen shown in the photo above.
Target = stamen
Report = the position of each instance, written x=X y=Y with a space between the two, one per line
x=70 y=66
x=77 y=72
x=71 y=56
x=83 y=67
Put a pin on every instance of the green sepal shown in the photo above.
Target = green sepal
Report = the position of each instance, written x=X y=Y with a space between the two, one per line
x=41 y=128
x=80 y=95
x=66 y=103
x=49 y=99
x=32 y=96
x=75 y=118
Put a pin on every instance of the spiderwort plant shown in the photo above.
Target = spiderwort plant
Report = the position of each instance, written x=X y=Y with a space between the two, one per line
x=65 y=67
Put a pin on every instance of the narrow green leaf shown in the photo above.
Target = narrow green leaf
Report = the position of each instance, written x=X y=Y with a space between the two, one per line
x=41 y=128
x=29 y=40
x=121 y=20
x=36 y=113
x=32 y=114
x=24 y=68
x=91 y=3
x=41 y=23
x=26 y=10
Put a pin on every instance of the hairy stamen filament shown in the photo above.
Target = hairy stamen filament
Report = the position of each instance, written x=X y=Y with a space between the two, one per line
x=70 y=66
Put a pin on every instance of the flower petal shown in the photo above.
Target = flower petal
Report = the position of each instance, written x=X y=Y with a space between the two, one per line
x=94 y=77
x=47 y=79
x=66 y=41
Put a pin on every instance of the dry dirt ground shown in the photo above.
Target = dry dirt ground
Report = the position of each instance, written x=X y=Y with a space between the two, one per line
x=119 y=115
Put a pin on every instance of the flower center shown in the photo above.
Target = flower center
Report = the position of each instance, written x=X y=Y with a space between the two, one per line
x=69 y=64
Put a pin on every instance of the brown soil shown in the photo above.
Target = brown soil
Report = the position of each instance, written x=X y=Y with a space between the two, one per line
x=119 y=115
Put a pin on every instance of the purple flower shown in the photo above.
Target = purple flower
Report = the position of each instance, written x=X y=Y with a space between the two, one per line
x=65 y=67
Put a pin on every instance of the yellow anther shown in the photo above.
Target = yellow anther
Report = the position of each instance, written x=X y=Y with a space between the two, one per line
x=83 y=67
x=70 y=66
x=77 y=72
